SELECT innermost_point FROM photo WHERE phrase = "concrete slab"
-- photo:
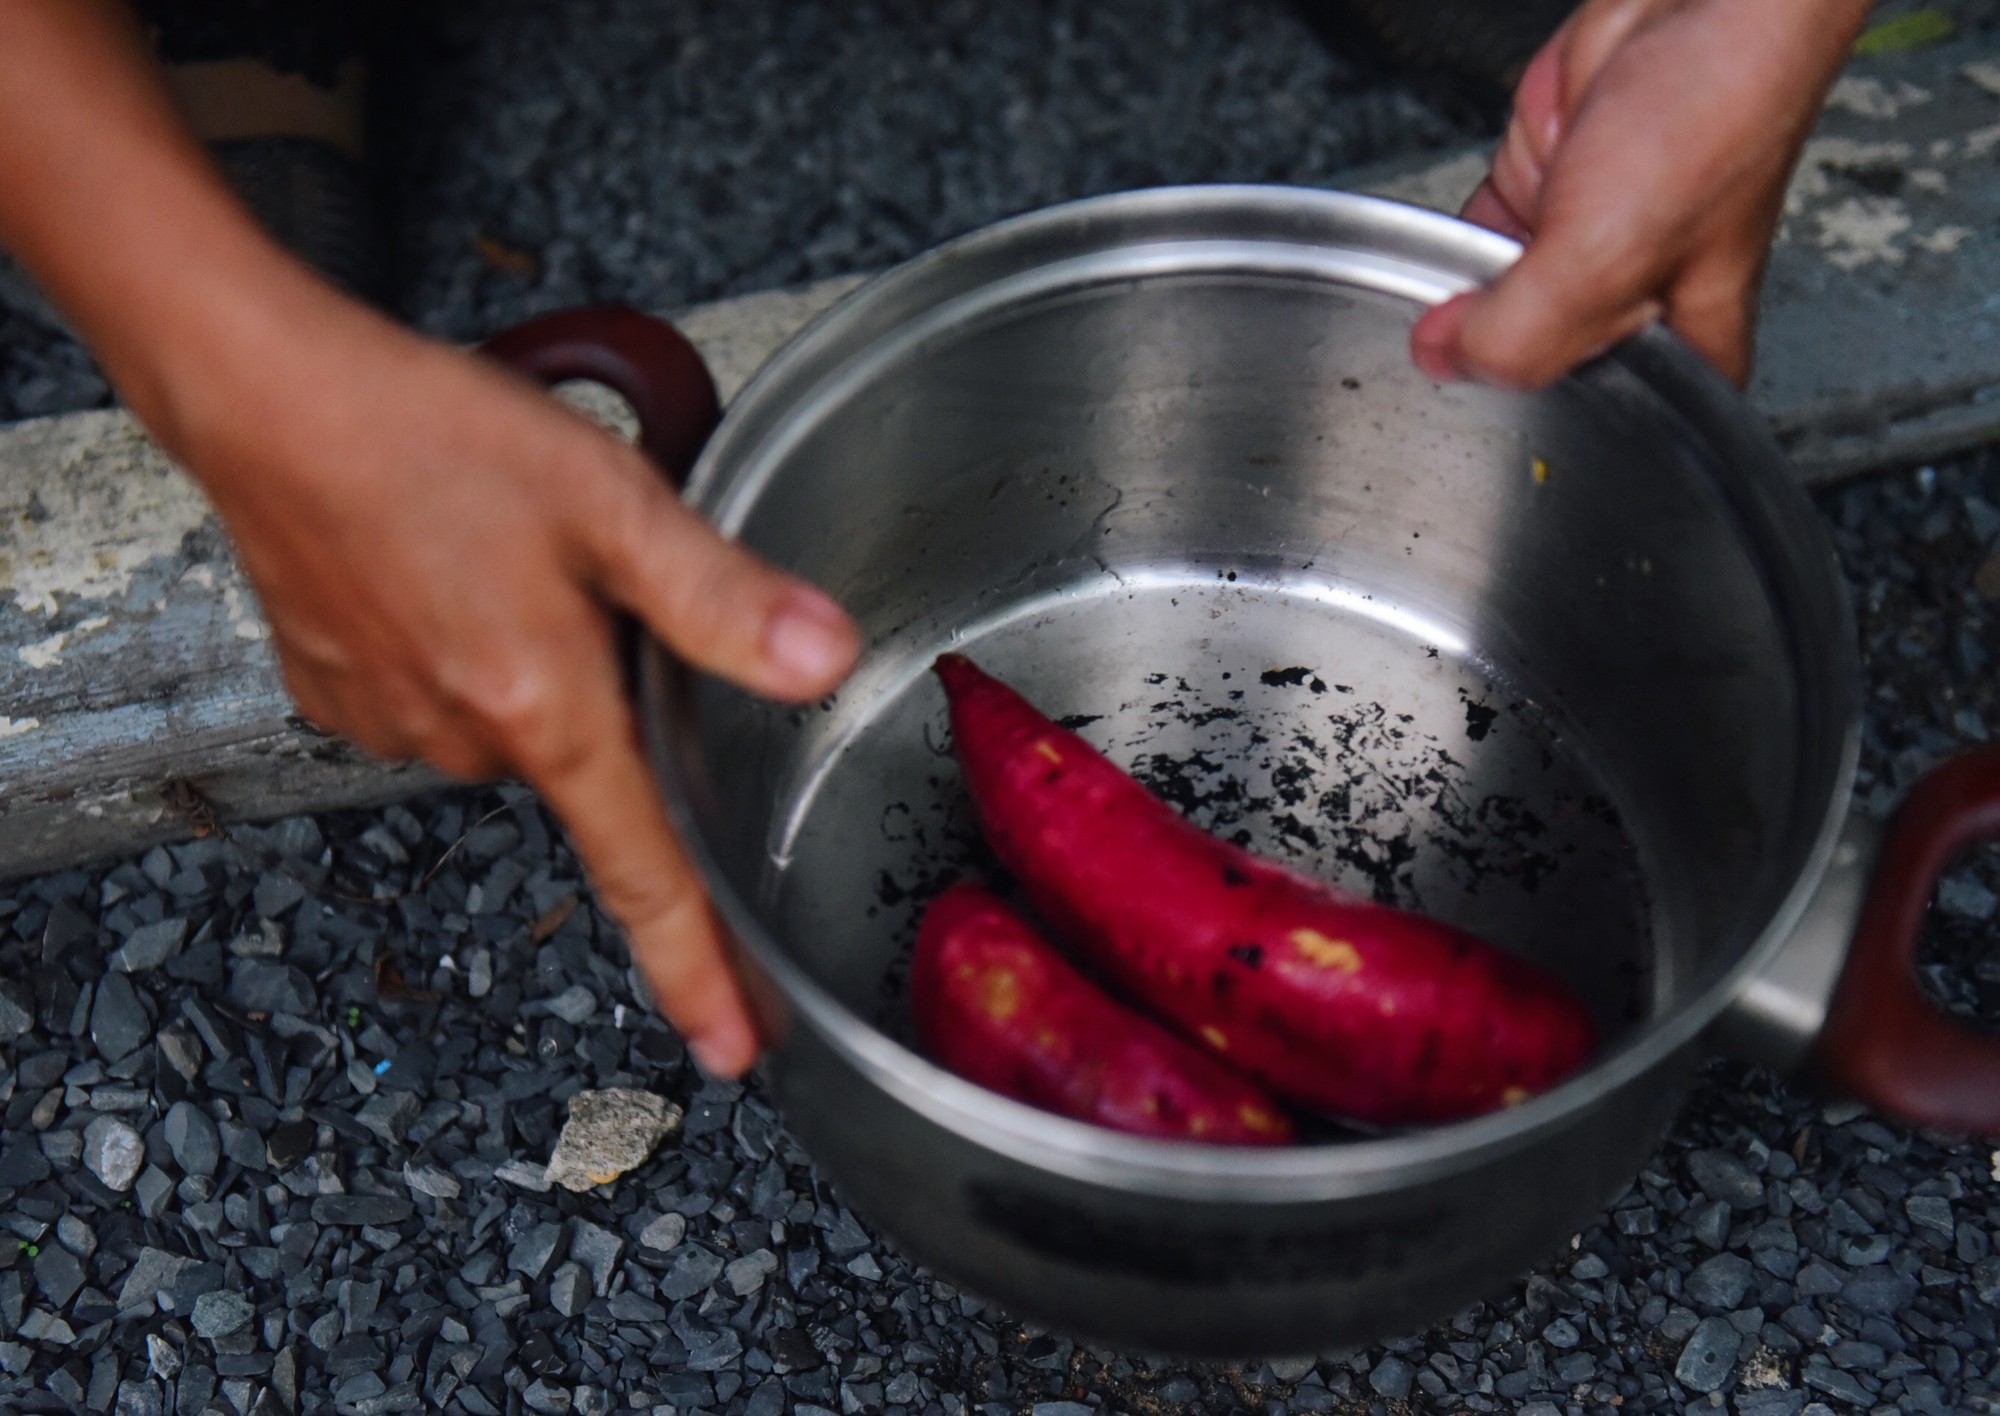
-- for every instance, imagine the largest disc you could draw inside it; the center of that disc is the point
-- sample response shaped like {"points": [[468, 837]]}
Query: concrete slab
{"points": [[140, 700]]}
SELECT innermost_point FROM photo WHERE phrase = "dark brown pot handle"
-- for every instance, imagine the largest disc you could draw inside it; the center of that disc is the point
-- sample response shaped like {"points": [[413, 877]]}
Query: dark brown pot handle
{"points": [[647, 361], [1885, 1043]]}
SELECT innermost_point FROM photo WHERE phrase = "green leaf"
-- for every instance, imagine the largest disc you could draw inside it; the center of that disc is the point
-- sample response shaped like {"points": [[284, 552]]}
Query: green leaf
{"points": [[1904, 33]]}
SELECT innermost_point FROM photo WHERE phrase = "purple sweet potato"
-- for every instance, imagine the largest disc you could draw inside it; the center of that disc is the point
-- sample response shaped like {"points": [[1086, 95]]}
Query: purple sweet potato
{"points": [[998, 1006], [1338, 1004]]}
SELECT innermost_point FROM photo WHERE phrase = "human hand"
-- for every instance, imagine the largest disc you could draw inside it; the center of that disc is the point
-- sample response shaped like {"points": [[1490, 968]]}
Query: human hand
{"points": [[435, 544], [1644, 168]]}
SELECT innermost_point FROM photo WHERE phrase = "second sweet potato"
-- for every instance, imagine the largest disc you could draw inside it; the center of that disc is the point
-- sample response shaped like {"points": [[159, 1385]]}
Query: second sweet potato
{"points": [[995, 1004]]}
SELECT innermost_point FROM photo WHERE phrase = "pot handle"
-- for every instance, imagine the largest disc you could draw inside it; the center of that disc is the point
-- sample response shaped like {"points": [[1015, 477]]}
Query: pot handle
{"points": [[646, 361], [1884, 1043]]}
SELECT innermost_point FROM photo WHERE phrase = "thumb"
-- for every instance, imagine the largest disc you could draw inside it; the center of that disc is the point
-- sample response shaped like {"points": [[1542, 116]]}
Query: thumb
{"points": [[1574, 293]]}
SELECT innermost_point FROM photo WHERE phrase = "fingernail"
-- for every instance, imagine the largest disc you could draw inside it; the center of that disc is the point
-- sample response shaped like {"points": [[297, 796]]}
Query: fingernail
{"points": [[810, 638], [1436, 362], [725, 1052]]}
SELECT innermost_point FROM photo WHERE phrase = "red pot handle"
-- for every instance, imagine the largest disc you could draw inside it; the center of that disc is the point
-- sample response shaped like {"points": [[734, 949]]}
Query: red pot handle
{"points": [[1885, 1043], [647, 361]]}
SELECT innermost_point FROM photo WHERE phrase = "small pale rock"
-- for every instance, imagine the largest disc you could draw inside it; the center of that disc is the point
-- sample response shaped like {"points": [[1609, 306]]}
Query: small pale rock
{"points": [[608, 1133], [114, 1152], [664, 1234]]}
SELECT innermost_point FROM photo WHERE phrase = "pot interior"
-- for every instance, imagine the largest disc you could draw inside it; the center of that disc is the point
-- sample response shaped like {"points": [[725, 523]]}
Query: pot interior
{"points": [[1547, 666]]}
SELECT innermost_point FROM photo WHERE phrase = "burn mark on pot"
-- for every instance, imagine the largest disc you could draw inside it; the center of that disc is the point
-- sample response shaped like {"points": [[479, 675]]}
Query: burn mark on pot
{"points": [[1292, 781], [1076, 721], [1479, 718], [1285, 678], [1295, 832]]}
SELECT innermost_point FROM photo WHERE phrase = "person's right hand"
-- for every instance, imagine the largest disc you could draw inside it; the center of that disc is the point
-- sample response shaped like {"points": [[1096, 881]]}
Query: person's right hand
{"points": [[1645, 170], [436, 543]]}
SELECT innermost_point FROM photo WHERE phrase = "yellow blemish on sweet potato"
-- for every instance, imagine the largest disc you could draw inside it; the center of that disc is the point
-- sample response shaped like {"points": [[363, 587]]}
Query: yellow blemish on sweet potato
{"points": [[1048, 750], [1000, 995], [1258, 1119], [1215, 1037], [1197, 1125], [1513, 1096], [1335, 954]]}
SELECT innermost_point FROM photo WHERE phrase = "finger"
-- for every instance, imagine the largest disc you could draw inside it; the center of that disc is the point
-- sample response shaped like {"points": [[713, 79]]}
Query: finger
{"points": [[587, 765], [1713, 306], [1538, 99], [716, 604], [1551, 87], [1534, 129], [1597, 32], [1434, 341], [1588, 279], [1487, 208]]}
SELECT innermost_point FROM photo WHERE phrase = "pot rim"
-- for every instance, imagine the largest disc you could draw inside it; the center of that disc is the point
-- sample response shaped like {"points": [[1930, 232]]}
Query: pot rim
{"points": [[1790, 532]]}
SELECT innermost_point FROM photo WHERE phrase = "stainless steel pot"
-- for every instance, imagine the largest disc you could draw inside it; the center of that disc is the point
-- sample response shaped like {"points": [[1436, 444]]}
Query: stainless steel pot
{"points": [[1573, 669]]}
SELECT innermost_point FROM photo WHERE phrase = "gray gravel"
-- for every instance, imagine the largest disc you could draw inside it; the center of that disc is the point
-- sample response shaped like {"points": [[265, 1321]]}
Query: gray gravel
{"points": [[339, 1201], [537, 155]]}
